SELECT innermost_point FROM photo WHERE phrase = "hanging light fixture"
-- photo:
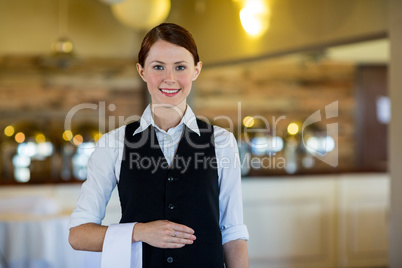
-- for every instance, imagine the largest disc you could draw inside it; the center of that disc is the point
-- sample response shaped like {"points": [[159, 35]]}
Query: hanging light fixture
{"points": [[63, 45], [141, 14], [62, 48]]}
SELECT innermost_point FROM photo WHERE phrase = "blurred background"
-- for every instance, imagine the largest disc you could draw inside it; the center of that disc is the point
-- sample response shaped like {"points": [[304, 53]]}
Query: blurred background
{"points": [[302, 84]]}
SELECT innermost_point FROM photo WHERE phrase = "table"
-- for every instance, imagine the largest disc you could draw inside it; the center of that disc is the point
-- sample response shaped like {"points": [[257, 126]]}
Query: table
{"points": [[40, 241]]}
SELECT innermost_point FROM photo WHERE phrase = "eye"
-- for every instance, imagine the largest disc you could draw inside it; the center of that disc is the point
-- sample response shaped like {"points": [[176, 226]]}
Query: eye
{"points": [[180, 68], [158, 67]]}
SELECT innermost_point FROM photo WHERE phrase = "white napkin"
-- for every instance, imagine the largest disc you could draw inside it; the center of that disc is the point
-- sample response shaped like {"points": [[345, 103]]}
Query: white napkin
{"points": [[118, 249]]}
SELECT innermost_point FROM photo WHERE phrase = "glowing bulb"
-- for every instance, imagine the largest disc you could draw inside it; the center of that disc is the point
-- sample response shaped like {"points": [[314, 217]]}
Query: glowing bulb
{"points": [[254, 17], [293, 128], [248, 121], [67, 135], [9, 131], [63, 46], [140, 14], [19, 137]]}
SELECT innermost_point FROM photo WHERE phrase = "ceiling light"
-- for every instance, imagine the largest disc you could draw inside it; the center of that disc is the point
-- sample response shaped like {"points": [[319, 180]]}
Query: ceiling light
{"points": [[254, 17]]}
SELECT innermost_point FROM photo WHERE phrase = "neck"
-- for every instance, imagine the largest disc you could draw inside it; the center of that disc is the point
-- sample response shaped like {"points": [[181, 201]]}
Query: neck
{"points": [[168, 116]]}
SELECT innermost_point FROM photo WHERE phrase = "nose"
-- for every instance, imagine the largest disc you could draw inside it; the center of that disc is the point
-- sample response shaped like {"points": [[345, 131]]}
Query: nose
{"points": [[169, 76]]}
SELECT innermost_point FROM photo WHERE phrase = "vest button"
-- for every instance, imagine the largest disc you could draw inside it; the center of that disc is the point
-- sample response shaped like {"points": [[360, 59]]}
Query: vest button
{"points": [[169, 259], [170, 179], [171, 206]]}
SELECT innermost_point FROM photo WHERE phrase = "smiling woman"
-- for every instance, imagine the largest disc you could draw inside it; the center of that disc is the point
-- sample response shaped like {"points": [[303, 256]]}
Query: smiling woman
{"points": [[169, 71], [166, 174]]}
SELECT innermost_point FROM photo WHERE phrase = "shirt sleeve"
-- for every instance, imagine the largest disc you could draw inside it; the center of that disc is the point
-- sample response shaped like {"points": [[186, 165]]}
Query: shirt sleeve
{"points": [[97, 189], [103, 169], [230, 194]]}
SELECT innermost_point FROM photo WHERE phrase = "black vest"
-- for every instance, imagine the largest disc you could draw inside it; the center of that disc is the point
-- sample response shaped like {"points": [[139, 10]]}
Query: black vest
{"points": [[187, 194]]}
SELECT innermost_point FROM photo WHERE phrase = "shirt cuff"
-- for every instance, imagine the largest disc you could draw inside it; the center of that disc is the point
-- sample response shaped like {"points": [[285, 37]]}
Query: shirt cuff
{"points": [[117, 246], [79, 218], [234, 232]]}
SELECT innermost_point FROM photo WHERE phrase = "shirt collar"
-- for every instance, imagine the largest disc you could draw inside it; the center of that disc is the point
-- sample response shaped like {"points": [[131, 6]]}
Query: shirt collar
{"points": [[189, 119]]}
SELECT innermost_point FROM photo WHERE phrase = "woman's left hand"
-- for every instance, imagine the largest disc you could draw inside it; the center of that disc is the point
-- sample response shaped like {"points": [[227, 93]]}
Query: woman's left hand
{"points": [[163, 234]]}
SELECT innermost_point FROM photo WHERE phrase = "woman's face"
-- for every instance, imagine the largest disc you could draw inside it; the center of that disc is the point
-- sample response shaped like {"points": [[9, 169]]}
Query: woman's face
{"points": [[169, 72]]}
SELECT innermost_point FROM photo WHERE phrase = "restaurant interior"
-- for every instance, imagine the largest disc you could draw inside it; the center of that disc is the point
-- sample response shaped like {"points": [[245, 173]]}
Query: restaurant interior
{"points": [[305, 86]]}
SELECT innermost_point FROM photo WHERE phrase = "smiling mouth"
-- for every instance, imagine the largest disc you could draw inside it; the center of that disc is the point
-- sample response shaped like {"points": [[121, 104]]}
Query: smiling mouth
{"points": [[169, 91]]}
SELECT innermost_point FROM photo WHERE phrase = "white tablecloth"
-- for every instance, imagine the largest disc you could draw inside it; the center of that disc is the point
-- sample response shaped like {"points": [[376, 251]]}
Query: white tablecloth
{"points": [[40, 242]]}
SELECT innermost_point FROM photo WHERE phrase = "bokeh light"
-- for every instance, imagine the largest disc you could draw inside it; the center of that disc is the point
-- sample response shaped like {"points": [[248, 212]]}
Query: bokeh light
{"points": [[40, 138], [19, 137], [248, 121], [97, 136], [67, 135], [78, 139], [9, 131], [293, 128]]}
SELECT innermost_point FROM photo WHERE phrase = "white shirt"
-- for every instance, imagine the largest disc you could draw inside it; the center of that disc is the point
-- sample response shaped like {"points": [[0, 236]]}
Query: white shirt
{"points": [[104, 172]]}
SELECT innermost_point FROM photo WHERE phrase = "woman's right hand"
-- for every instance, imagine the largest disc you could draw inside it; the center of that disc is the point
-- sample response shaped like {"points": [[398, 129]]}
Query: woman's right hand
{"points": [[163, 234]]}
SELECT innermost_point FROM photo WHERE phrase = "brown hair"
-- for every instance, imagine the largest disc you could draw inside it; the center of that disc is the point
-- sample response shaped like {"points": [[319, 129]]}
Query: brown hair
{"points": [[171, 33]]}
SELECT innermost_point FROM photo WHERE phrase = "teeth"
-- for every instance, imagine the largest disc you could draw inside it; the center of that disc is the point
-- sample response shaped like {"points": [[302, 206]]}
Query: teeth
{"points": [[170, 91]]}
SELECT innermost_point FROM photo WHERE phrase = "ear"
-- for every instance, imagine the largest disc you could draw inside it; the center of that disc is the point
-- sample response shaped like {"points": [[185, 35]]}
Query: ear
{"points": [[140, 71], [197, 71]]}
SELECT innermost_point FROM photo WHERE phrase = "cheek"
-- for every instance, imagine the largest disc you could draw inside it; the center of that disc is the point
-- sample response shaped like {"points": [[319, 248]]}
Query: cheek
{"points": [[186, 81], [154, 81]]}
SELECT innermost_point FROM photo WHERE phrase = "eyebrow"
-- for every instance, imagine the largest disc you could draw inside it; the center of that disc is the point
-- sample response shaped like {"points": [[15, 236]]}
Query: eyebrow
{"points": [[161, 62]]}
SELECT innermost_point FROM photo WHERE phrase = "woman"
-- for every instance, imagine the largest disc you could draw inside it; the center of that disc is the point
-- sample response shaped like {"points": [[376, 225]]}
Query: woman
{"points": [[178, 177]]}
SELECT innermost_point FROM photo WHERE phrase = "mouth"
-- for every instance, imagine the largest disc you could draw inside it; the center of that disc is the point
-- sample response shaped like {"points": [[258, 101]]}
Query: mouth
{"points": [[169, 92]]}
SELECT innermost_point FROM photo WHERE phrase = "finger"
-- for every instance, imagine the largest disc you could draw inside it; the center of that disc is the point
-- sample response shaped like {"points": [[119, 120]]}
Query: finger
{"points": [[184, 235], [183, 228], [185, 241], [175, 233], [175, 240], [187, 236], [174, 245]]}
